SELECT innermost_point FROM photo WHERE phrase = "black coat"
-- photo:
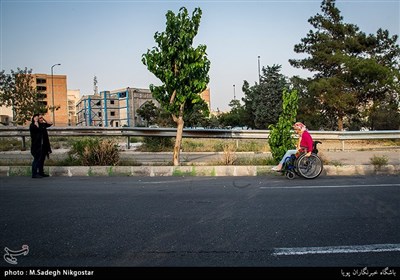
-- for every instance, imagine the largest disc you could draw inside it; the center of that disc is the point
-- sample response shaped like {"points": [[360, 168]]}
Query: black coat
{"points": [[46, 142], [40, 143]]}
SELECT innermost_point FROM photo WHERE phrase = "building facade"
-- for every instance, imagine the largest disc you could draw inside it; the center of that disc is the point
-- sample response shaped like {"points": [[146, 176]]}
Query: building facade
{"points": [[53, 90], [113, 108], [48, 86], [118, 107], [73, 98]]}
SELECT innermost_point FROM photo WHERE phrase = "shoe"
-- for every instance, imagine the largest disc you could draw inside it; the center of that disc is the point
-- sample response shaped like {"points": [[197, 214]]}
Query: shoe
{"points": [[276, 168], [37, 176], [44, 175]]}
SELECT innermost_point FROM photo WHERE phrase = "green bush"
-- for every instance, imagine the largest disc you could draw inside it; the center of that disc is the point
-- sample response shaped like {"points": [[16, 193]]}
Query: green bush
{"points": [[157, 144], [10, 144], [95, 151], [379, 161]]}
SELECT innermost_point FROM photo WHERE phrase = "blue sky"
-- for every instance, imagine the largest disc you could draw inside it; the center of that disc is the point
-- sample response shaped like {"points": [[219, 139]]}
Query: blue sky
{"points": [[106, 39]]}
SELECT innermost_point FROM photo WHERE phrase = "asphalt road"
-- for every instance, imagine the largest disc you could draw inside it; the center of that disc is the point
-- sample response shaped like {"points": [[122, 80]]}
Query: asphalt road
{"points": [[336, 222]]}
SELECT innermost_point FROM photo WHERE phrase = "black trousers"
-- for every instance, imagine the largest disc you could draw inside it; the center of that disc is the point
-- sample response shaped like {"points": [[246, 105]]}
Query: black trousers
{"points": [[38, 162], [41, 162], [37, 158]]}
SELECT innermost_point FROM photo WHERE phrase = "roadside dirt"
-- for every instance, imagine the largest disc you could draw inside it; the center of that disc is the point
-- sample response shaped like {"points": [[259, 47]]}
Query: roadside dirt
{"points": [[358, 145]]}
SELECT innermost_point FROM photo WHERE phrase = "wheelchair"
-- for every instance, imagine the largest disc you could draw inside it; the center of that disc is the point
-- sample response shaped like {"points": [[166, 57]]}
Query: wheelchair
{"points": [[307, 167]]}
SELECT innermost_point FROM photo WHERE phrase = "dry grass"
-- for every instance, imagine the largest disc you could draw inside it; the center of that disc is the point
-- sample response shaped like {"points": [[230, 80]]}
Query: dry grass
{"points": [[261, 145]]}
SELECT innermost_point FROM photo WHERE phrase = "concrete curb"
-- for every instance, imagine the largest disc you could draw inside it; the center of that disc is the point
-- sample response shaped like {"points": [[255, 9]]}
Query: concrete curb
{"points": [[69, 171]]}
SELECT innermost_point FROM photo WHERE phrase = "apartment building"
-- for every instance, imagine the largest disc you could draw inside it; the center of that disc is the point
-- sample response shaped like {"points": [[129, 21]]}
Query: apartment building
{"points": [[73, 96], [53, 90], [113, 108], [117, 107]]}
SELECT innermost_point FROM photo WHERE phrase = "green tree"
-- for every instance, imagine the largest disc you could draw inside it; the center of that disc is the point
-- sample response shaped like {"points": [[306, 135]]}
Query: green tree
{"points": [[17, 91], [264, 101], [149, 112], [351, 70], [182, 69], [248, 99], [164, 119], [196, 114], [235, 116], [280, 138]]}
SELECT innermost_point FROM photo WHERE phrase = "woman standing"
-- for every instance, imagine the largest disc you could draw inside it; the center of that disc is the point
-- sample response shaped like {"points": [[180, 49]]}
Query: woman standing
{"points": [[40, 144], [46, 149], [36, 145]]}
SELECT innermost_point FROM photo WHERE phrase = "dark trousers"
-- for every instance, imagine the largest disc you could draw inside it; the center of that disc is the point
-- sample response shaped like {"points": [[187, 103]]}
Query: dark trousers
{"points": [[37, 159], [41, 162], [38, 162]]}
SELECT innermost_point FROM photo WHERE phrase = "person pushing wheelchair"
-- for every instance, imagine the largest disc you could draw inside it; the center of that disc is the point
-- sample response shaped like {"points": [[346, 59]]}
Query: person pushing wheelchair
{"points": [[304, 145]]}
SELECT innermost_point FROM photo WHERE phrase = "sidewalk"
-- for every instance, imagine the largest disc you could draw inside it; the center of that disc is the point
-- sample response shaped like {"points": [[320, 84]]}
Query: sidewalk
{"points": [[336, 163]]}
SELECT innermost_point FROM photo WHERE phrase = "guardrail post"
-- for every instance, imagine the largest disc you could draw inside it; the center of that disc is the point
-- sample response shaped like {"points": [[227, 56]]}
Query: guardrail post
{"points": [[342, 145], [129, 142], [23, 143]]}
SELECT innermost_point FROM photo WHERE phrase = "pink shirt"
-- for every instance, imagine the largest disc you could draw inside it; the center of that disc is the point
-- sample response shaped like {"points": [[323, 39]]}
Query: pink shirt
{"points": [[306, 141]]}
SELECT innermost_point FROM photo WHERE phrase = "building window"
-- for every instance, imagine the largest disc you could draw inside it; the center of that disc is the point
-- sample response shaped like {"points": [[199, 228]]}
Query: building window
{"points": [[41, 88], [112, 114], [99, 114], [40, 81], [112, 102]]}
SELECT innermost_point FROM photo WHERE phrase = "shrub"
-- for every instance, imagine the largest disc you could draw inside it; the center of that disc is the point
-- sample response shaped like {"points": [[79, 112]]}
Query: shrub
{"points": [[10, 144], [229, 156], [379, 161], [95, 151]]}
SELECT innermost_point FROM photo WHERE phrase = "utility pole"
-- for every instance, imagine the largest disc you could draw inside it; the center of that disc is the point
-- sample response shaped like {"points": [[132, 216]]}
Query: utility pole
{"points": [[259, 74]]}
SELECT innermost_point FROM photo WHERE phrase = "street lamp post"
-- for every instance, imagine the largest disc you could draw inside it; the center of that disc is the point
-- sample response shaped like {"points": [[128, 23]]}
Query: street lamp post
{"points": [[234, 93], [52, 92], [259, 75]]}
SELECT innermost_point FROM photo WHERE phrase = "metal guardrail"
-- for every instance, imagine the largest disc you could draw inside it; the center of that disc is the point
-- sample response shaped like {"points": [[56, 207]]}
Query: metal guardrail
{"points": [[23, 131]]}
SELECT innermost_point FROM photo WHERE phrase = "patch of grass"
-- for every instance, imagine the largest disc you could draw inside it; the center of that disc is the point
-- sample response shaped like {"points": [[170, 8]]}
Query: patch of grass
{"points": [[11, 144], [178, 172], [255, 161], [157, 144], [379, 161], [189, 145], [335, 163]]}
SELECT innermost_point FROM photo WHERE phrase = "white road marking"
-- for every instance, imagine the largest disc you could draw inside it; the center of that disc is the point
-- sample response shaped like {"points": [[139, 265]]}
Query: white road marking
{"points": [[373, 248], [333, 186]]}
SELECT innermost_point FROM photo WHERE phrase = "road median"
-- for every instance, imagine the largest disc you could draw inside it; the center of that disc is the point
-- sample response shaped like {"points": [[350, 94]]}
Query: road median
{"points": [[152, 171]]}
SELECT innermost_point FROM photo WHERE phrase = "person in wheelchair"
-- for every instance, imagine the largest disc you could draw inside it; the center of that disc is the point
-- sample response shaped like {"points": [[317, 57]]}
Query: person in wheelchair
{"points": [[304, 145]]}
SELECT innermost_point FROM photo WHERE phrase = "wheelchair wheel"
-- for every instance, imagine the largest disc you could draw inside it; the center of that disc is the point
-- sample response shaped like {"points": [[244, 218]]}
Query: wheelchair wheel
{"points": [[309, 167], [290, 175]]}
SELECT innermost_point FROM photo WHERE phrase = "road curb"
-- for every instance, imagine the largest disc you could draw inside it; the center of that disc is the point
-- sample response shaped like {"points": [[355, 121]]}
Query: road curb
{"points": [[69, 171]]}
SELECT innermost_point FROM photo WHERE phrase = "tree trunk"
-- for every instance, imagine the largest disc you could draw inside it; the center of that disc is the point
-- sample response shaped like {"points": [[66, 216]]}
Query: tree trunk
{"points": [[340, 123], [178, 141]]}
